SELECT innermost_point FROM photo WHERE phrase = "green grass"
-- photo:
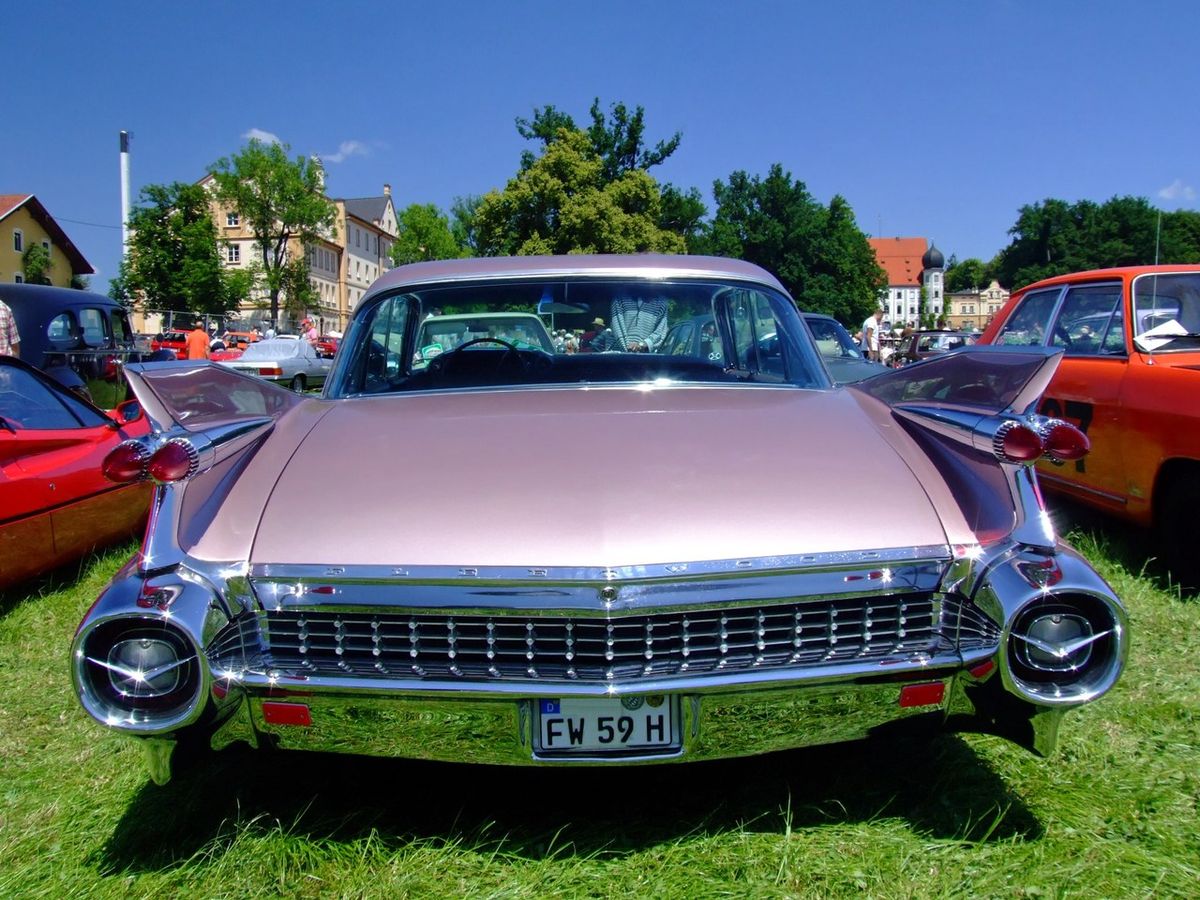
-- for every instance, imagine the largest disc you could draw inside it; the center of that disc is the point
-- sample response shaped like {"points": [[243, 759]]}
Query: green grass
{"points": [[1112, 814]]}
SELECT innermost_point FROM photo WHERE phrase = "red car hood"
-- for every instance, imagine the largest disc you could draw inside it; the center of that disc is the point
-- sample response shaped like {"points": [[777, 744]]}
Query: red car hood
{"points": [[601, 477]]}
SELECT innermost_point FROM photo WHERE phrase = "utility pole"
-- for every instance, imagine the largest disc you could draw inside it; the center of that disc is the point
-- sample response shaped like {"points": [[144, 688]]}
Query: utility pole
{"points": [[124, 195]]}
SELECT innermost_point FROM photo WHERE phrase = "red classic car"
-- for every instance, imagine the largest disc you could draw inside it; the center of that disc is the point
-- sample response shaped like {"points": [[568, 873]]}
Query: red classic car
{"points": [[170, 340], [1131, 350], [55, 502]]}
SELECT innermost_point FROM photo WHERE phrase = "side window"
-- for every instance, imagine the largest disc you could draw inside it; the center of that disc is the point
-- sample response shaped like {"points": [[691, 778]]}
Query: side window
{"points": [[756, 335], [380, 362], [61, 328], [1086, 318], [120, 327], [92, 323], [1029, 322]]}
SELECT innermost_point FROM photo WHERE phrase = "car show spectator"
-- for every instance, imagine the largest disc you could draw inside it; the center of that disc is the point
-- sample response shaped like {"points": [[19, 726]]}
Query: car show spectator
{"points": [[869, 343], [639, 324], [599, 339], [10, 338], [308, 331], [197, 342]]}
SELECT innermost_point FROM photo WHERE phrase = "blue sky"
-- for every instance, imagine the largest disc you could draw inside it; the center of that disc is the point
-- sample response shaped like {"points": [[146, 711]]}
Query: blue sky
{"points": [[937, 119]]}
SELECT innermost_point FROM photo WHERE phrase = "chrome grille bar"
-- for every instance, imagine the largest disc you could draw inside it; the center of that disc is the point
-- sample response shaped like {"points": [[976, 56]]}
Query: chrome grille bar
{"points": [[582, 648]]}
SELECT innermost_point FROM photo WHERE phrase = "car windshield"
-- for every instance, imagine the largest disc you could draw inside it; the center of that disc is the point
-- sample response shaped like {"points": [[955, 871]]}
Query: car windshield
{"points": [[575, 331], [272, 350], [1170, 305]]}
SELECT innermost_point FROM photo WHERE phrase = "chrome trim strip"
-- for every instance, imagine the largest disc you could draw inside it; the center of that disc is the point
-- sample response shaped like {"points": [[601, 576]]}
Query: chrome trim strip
{"points": [[1064, 483], [920, 667], [701, 569]]}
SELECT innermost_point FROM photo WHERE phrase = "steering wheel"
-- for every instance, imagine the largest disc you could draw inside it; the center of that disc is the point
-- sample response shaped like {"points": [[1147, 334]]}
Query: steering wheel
{"points": [[441, 364]]}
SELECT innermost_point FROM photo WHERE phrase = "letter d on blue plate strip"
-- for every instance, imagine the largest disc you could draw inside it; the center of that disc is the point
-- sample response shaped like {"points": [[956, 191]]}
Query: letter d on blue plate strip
{"points": [[550, 708]]}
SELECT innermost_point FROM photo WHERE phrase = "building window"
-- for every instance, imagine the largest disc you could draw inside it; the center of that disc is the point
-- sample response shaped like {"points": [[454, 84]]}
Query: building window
{"points": [[18, 241], [357, 238], [19, 278], [233, 253], [231, 220]]}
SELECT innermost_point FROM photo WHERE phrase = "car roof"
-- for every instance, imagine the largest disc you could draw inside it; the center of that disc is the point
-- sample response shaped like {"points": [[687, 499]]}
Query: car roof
{"points": [[470, 317], [642, 265], [1116, 272]]}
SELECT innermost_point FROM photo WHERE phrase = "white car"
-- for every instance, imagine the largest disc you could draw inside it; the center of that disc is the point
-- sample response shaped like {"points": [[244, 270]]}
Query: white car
{"points": [[291, 362]]}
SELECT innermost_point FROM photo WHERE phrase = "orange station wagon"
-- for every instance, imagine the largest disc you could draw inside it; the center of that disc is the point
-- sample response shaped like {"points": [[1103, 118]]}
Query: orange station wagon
{"points": [[1130, 379]]}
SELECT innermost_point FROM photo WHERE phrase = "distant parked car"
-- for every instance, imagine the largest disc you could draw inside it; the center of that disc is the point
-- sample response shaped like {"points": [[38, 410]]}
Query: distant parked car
{"points": [[842, 356], [327, 346], [439, 334], [77, 337], [57, 503], [175, 341], [1129, 379], [292, 362], [923, 344]]}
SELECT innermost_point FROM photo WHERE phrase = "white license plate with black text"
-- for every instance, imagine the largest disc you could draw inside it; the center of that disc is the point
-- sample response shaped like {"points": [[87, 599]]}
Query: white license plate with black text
{"points": [[589, 725]]}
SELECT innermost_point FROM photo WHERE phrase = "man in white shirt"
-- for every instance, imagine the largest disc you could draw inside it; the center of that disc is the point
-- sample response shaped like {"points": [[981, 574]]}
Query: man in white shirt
{"points": [[870, 336]]}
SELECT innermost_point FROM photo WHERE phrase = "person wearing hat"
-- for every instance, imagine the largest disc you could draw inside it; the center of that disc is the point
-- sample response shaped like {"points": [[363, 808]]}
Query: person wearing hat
{"points": [[197, 342], [309, 332], [599, 339]]}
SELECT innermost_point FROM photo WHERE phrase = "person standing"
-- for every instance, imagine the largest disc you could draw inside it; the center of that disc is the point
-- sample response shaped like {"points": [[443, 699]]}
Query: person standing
{"points": [[309, 332], [10, 338], [870, 336], [197, 342]]}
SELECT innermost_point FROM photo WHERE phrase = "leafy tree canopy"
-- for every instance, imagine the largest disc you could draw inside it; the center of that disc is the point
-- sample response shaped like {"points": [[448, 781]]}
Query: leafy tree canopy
{"points": [[423, 232], [278, 199], [462, 223], [563, 202], [1054, 237], [618, 139], [683, 212], [817, 252], [174, 259], [968, 275]]}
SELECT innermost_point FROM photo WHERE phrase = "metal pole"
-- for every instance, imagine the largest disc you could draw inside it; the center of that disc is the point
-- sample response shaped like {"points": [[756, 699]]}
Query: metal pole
{"points": [[124, 195]]}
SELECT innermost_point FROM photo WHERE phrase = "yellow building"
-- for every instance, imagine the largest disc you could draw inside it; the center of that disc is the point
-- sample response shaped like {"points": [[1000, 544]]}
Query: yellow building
{"points": [[24, 223]]}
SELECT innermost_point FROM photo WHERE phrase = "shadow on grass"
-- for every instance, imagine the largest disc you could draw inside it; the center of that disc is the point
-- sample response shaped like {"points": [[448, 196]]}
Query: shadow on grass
{"points": [[64, 578], [1132, 547], [941, 788]]}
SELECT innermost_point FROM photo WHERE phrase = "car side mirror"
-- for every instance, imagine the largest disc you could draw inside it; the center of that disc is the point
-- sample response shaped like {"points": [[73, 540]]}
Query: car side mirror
{"points": [[129, 411]]}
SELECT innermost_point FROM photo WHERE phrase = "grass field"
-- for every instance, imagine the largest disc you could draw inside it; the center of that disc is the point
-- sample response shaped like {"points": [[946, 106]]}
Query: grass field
{"points": [[1113, 814]]}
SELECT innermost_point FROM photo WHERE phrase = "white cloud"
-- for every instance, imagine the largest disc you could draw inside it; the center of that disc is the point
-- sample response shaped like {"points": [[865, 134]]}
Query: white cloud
{"points": [[257, 134], [1177, 190], [346, 149]]}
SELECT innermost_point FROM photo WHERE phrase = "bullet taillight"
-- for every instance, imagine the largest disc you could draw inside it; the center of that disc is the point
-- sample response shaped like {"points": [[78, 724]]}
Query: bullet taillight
{"points": [[1065, 442], [126, 463]]}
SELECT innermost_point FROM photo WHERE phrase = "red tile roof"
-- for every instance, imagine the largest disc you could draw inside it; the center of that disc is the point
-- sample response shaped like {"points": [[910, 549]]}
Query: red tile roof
{"points": [[900, 258], [9, 202]]}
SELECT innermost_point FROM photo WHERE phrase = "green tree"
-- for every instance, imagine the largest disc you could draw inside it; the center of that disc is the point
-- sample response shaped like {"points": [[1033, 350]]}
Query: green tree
{"points": [[462, 223], [618, 139], [35, 265], [296, 288], [683, 212], [423, 232], [818, 253], [279, 199], [563, 202], [970, 274], [1055, 237], [174, 258]]}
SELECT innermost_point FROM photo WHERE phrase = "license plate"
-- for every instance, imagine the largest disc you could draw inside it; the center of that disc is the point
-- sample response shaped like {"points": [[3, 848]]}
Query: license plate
{"points": [[606, 725]]}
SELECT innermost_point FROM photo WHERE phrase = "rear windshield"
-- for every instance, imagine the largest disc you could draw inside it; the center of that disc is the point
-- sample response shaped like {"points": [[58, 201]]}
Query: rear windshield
{"points": [[577, 331]]}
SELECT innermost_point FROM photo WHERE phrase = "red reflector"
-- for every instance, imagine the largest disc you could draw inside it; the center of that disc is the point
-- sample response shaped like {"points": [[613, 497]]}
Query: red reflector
{"points": [[1021, 444], [125, 463], [170, 462], [219, 690], [323, 589], [922, 694], [1066, 442], [983, 669], [270, 371], [286, 713]]}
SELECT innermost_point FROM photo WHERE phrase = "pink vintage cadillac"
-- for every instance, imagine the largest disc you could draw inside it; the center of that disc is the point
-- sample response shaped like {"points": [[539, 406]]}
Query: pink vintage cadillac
{"points": [[630, 555]]}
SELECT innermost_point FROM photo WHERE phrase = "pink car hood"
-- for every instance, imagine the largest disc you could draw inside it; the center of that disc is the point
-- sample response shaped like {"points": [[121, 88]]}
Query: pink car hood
{"points": [[594, 477]]}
